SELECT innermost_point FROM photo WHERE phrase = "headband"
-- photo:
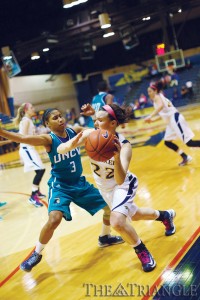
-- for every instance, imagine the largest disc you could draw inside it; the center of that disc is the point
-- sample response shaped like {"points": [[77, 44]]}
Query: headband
{"points": [[153, 86], [111, 112], [26, 106], [46, 114]]}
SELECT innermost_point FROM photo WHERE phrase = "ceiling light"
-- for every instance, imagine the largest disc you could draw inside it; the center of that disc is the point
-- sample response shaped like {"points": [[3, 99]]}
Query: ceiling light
{"points": [[180, 10], [52, 41], [70, 3], [67, 3], [104, 20], [146, 18], [94, 47], [45, 50], [35, 55], [108, 32], [81, 1]]}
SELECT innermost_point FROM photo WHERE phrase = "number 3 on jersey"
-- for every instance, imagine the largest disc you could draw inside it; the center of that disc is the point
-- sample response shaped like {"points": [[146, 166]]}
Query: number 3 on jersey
{"points": [[73, 166]]}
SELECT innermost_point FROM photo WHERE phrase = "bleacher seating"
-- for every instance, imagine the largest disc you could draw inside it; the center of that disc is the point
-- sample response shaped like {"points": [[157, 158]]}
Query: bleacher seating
{"points": [[184, 75], [8, 125]]}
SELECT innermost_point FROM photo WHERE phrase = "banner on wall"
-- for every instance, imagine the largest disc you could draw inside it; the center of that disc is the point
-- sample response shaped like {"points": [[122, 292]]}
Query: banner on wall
{"points": [[120, 83], [131, 76], [119, 91]]}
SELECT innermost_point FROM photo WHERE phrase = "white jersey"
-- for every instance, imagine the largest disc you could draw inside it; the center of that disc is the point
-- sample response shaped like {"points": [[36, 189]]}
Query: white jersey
{"points": [[31, 128], [168, 110], [120, 198], [103, 172], [28, 154], [177, 127]]}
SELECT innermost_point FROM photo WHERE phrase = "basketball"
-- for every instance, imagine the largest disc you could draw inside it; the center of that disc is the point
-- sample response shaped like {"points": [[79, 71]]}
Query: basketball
{"points": [[99, 145]]}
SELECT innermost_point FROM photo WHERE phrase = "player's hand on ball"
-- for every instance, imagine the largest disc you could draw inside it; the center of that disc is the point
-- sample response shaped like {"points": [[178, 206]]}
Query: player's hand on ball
{"points": [[77, 139], [118, 147]]}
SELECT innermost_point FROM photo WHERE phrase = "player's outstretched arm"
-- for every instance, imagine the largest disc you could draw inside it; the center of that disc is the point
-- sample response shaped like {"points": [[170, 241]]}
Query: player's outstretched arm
{"points": [[74, 142], [2, 143], [33, 140], [160, 105]]}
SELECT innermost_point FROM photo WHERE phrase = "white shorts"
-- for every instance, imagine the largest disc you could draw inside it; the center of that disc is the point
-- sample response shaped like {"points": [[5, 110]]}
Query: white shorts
{"points": [[121, 198], [178, 128], [30, 158]]}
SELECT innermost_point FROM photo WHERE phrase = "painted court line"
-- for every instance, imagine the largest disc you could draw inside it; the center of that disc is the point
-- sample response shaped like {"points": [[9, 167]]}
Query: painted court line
{"points": [[18, 268], [171, 265]]}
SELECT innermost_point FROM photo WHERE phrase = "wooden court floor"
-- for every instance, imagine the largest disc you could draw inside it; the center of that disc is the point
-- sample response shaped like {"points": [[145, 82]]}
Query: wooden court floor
{"points": [[73, 267]]}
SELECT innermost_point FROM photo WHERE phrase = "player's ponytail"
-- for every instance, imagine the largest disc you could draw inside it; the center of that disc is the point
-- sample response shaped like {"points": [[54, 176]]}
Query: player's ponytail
{"points": [[20, 114]]}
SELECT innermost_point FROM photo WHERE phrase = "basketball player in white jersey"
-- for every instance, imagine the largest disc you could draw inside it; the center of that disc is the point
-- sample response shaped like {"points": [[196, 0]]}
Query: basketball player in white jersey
{"points": [[177, 127], [28, 154], [118, 186]]}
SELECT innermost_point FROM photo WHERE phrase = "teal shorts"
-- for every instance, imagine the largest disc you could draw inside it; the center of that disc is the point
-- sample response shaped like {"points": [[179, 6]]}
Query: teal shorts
{"points": [[82, 194]]}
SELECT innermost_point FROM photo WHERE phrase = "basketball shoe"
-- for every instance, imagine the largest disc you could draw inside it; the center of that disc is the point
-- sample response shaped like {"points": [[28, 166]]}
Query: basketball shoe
{"points": [[168, 222], [185, 161], [34, 199], [109, 240], [2, 203], [147, 260], [31, 262], [40, 195]]}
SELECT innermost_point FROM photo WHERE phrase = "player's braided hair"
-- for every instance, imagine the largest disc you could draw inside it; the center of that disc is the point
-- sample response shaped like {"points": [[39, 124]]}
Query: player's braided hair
{"points": [[46, 115]]}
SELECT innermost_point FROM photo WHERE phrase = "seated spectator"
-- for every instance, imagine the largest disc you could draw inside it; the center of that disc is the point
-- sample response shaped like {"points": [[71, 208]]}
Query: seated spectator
{"points": [[174, 79], [6, 146], [184, 92], [188, 64], [71, 116], [165, 81], [189, 86], [142, 101], [153, 70], [41, 129], [176, 94], [137, 104], [68, 115]]}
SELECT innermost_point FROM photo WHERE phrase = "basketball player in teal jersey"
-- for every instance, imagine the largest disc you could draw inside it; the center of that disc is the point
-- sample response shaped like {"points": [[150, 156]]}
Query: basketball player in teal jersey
{"points": [[118, 185], [66, 184], [103, 97]]}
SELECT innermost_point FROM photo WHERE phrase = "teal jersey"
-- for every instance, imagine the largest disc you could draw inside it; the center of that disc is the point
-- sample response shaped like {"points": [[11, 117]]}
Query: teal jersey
{"points": [[66, 167], [98, 101]]}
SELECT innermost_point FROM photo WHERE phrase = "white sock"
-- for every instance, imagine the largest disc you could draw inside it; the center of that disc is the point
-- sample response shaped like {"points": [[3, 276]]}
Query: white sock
{"points": [[39, 247], [157, 214], [180, 151], [136, 244], [105, 230], [35, 188]]}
